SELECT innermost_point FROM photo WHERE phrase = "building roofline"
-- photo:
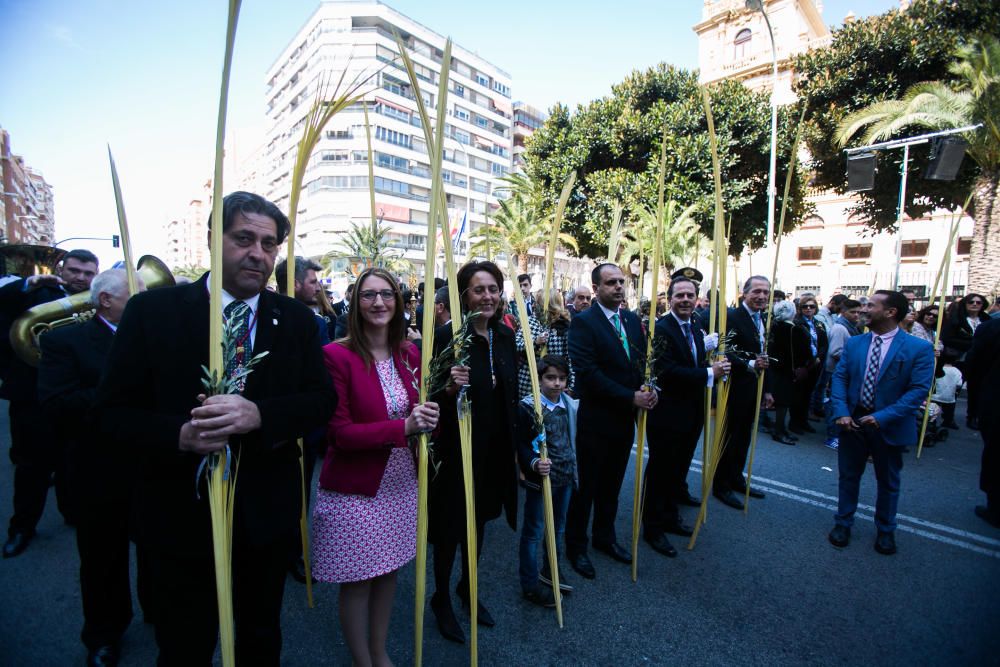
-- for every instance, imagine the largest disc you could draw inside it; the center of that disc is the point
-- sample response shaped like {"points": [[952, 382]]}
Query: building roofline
{"points": [[377, 3]]}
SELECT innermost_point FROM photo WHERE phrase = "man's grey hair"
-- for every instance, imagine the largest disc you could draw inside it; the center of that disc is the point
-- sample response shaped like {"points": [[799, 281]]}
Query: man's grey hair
{"points": [[112, 281], [746, 285]]}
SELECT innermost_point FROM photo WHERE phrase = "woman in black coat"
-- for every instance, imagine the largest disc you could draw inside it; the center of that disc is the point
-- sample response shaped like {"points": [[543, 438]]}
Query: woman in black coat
{"points": [[964, 316], [790, 355], [491, 377]]}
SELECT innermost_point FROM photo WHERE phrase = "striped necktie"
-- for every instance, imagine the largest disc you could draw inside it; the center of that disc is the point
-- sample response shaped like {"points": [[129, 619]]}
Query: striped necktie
{"points": [[871, 376], [238, 312], [621, 334], [690, 339]]}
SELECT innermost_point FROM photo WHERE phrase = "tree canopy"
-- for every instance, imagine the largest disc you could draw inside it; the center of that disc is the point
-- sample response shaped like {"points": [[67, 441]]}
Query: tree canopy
{"points": [[614, 145], [878, 59]]}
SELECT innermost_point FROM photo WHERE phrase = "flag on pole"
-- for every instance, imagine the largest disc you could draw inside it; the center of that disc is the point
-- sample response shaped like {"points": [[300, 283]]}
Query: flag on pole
{"points": [[461, 230]]}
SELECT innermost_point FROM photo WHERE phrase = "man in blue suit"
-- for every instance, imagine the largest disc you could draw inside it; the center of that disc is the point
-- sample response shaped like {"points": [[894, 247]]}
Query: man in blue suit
{"points": [[608, 352], [881, 380]]}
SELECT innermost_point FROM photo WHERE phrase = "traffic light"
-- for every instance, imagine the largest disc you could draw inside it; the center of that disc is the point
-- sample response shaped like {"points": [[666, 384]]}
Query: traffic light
{"points": [[116, 241]]}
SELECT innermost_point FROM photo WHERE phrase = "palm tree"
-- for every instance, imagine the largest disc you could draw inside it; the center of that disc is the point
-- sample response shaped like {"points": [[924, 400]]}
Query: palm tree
{"points": [[938, 105], [371, 244], [518, 226], [680, 234]]}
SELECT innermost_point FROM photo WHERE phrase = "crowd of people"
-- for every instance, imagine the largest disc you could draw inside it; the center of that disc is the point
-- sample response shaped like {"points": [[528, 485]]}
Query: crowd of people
{"points": [[117, 414]]}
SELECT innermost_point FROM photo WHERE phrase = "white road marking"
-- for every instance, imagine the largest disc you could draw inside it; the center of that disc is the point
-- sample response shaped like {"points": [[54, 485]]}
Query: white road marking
{"points": [[921, 527]]}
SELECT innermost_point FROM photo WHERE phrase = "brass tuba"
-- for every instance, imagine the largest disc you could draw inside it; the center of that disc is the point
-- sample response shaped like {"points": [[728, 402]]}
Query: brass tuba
{"points": [[26, 330]]}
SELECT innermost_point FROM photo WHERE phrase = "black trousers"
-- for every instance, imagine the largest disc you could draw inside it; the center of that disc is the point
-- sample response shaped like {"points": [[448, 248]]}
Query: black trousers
{"points": [[989, 471], [802, 396], [102, 540], [186, 617], [670, 454], [444, 560], [601, 465], [739, 423], [37, 457]]}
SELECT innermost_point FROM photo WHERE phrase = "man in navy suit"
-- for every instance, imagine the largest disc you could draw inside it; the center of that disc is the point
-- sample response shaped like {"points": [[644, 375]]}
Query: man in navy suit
{"points": [[746, 326], [881, 381], [682, 374], [607, 349]]}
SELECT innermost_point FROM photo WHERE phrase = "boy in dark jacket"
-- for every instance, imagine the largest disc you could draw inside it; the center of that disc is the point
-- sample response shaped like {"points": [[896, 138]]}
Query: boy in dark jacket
{"points": [[559, 416]]}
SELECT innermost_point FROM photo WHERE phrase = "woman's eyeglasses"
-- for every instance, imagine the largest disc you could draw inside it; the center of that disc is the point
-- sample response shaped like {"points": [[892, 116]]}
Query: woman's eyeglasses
{"points": [[368, 295]]}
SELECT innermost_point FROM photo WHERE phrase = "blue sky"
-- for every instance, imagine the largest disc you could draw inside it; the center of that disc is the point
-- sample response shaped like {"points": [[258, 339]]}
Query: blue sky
{"points": [[144, 77]]}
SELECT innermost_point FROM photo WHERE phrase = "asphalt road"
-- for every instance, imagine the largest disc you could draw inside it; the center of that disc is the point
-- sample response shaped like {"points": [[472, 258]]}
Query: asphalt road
{"points": [[761, 589]]}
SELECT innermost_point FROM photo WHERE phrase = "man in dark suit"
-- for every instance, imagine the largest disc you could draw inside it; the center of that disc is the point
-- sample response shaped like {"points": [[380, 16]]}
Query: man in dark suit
{"points": [[746, 334], [35, 451], [71, 364], [682, 374], [340, 308], [983, 370], [151, 402], [524, 283], [607, 349], [881, 381]]}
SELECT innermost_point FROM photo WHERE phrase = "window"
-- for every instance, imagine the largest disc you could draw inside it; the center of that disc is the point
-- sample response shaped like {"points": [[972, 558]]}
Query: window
{"points": [[806, 289], [964, 245], [860, 251], [390, 186], [392, 137], [392, 162], [338, 134], [461, 113], [917, 248], [483, 80], [742, 44], [854, 290], [810, 253], [334, 156], [919, 291], [459, 90], [461, 136]]}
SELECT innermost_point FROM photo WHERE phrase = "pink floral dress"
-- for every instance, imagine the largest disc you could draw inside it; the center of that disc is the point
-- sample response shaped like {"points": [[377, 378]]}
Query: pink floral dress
{"points": [[357, 537]]}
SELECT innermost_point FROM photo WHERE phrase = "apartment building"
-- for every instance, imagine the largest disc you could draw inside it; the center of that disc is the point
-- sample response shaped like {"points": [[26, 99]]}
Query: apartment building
{"points": [[28, 203], [358, 37]]}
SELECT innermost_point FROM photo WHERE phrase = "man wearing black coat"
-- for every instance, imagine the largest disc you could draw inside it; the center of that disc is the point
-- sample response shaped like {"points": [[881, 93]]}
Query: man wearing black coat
{"points": [[746, 350], [150, 402], [35, 451], [73, 358], [608, 352], [682, 374], [983, 368]]}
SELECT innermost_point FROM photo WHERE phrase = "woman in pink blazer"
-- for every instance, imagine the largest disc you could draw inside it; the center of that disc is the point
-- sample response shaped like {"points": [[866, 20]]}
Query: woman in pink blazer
{"points": [[365, 516]]}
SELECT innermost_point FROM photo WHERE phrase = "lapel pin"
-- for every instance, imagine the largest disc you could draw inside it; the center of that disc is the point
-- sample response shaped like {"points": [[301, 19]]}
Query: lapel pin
{"points": [[275, 321]]}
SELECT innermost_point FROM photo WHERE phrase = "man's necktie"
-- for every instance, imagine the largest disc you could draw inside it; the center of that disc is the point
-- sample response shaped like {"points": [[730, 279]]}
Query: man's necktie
{"points": [[621, 334], [238, 313], [871, 376], [690, 339], [760, 335]]}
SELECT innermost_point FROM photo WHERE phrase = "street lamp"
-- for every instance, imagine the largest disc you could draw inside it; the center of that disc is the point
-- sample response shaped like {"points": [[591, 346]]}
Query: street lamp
{"points": [[758, 6]]}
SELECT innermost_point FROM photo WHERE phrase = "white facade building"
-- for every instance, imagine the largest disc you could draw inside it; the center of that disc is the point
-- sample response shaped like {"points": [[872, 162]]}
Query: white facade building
{"points": [[187, 233], [831, 252], [359, 36]]}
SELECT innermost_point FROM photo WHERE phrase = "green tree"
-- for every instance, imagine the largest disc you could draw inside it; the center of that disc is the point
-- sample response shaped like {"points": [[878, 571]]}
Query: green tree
{"points": [[189, 271], [938, 105], [371, 244], [614, 145], [876, 59], [520, 224]]}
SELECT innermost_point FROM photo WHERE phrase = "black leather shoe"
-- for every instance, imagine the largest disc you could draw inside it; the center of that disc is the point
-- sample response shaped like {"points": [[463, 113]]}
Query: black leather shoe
{"points": [[542, 596], [16, 544], [885, 544], [615, 551], [483, 616], [690, 501], [840, 536], [447, 623], [754, 493], [783, 439], [679, 529], [581, 563], [987, 515], [103, 656], [661, 544], [730, 498]]}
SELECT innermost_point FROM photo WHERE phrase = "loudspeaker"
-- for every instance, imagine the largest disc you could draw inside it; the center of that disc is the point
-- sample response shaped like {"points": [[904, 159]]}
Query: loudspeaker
{"points": [[946, 158], [861, 171]]}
